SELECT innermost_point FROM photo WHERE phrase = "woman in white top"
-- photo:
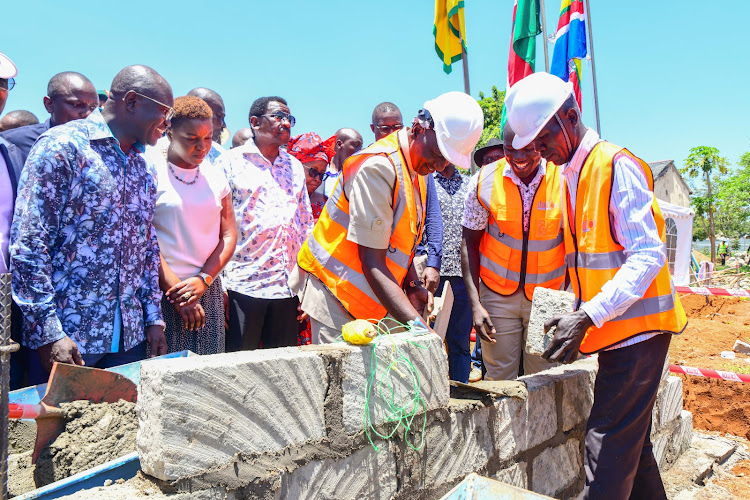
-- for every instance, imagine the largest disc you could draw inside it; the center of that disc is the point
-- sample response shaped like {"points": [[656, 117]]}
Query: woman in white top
{"points": [[194, 223]]}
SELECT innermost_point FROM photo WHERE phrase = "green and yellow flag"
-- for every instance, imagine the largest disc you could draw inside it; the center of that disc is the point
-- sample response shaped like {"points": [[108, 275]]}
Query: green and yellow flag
{"points": [[449, 31]]}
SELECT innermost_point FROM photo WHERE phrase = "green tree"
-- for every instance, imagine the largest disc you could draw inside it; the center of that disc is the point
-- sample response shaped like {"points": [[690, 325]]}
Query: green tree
{"points": [[492, 107], [705, 161], [733, 200]]}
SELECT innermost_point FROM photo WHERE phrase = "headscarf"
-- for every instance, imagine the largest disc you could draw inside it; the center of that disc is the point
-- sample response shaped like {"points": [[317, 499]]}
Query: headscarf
{"points": [[310, 147]]}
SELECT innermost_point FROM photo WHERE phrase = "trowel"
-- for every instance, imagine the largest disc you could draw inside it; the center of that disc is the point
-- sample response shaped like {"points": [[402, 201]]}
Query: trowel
{"points": [[69, 383]]}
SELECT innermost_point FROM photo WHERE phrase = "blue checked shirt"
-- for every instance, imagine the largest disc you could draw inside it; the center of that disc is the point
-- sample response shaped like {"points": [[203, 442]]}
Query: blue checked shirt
{"points": [[84, 250]]}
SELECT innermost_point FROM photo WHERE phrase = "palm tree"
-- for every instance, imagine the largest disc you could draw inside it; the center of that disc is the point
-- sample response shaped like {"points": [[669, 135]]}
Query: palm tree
{"points": [[704, 161]]}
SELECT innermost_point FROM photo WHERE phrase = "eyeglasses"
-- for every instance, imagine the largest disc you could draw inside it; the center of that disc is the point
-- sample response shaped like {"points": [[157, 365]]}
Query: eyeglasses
{"points": [[280, 116], [388, 129], [168, 111], [315, 173], [7, 84]]}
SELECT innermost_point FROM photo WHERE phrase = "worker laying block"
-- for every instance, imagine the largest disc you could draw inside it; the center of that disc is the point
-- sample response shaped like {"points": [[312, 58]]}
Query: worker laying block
{"points": [[512, 240], [626, 307], [359, 255]]}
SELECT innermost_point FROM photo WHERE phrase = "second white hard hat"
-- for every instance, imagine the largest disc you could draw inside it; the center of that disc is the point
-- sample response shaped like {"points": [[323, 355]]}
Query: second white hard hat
{"points": [[458, 123], [532, 102]]}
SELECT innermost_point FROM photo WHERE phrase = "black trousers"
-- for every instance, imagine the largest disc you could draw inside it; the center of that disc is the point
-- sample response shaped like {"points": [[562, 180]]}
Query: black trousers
{"points": [[265, 323], [619, 457]]}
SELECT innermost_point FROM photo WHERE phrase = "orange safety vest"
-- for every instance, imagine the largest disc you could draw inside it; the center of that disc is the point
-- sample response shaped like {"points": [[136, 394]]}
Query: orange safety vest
{"points": [[505, 247], [594, 255], [334, 260]]}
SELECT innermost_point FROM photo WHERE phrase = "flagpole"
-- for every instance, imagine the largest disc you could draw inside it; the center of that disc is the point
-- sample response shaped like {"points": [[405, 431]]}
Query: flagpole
{"points": [[593, 67], [544, 35], [465, 60]]}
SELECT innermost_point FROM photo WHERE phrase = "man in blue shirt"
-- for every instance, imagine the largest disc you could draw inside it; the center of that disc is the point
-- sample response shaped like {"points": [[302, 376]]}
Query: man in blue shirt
{"points": [[84, 254], [70, 96]]}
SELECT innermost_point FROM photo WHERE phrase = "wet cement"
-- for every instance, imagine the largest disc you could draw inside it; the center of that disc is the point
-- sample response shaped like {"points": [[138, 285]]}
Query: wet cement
{"points": [[95, 433]]}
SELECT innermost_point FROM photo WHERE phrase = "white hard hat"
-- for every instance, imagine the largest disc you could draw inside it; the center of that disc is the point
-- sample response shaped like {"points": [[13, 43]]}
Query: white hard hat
{"points": [[532, 102], [458, 121], [7, 68]]}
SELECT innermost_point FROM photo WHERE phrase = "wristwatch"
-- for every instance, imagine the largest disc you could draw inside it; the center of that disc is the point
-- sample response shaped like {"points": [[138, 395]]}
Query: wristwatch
{"points": [[207, 279]]}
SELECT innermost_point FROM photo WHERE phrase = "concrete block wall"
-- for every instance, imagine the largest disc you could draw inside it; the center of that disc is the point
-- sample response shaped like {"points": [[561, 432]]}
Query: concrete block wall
{"points": [[287, 423]]}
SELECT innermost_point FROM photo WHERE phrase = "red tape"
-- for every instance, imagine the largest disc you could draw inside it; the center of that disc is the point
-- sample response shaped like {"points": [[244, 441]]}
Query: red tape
{"points": [[704, 372], [706, 290]]}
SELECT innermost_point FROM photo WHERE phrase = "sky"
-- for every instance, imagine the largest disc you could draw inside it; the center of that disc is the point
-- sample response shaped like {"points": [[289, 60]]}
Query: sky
{"points": [[670, 74]]}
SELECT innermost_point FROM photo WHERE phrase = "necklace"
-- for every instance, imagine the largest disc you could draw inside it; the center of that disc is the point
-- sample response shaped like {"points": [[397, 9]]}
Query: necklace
{"points": [[197, 174]]}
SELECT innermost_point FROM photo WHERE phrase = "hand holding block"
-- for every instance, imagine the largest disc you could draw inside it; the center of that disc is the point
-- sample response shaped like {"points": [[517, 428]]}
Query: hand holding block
{"points": [[545, 304]]}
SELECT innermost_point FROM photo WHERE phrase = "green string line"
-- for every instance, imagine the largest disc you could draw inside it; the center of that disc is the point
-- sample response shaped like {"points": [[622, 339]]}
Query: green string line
{"points": [[400, 414]]}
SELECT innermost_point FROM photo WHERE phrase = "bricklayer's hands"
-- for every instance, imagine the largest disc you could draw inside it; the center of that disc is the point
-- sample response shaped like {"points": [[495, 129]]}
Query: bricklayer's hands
{"points": [[61, 351], [571, 328], [420, 298]]}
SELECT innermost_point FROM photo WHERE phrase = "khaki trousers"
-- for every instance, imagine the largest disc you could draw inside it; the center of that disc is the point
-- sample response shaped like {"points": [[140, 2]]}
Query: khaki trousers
{"points": [[510, 316]]}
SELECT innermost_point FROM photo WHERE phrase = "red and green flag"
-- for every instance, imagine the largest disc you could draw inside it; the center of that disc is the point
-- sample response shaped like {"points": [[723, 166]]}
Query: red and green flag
{"points": [[526, 26]]}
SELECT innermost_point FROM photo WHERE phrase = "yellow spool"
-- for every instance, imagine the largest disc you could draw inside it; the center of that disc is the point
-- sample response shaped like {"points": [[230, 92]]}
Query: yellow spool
{"points": [[359, 332]]}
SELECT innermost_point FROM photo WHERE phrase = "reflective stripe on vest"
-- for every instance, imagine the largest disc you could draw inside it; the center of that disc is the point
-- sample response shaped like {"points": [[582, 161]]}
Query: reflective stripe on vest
{"points": [[594, 256], [332, 258], [501, 249]]}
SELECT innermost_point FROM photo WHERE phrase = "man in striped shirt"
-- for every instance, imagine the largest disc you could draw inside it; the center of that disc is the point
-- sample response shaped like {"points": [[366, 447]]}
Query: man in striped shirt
{"points": [[626, 307]]}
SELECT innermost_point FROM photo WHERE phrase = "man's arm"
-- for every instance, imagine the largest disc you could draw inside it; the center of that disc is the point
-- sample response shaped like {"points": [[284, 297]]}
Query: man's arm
{"points": [[382, 282], [635, 228], [41, 198], [475, 220], [433, 230], [470, 270], [149, 294]]}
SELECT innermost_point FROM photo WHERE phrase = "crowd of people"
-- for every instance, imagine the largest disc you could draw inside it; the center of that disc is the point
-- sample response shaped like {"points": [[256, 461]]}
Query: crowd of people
{"points": [[131, 232]]}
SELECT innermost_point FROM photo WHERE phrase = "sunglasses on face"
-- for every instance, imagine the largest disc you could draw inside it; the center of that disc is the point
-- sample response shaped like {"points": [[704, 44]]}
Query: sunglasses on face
{"points": [[168, 110], [315, 173], [388, 129], [279, 116], [425, 118], [7, 84]]}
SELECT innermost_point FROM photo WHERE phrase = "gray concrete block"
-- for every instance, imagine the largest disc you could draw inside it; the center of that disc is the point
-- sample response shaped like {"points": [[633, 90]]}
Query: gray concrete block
{"points": [[426, 354], [523, 424], [556, 468], [364, 474], [714, 447], [546, 303], [195, 413], [515, 475], [577, 382], [673, 440], [670, 401], [454, 448]]}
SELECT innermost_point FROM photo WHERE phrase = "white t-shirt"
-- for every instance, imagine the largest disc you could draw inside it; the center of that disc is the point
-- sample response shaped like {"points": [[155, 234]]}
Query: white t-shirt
{"points": [[187, 217]]}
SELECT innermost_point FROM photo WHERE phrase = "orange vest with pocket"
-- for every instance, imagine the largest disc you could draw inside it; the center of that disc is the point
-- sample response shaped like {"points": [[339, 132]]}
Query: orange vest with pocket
{"points": [[327, 253]]}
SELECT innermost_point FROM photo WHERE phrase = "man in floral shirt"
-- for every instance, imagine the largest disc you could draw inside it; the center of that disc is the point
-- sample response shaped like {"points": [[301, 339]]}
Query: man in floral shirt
{"points": [[84, 255], [274, 217]]}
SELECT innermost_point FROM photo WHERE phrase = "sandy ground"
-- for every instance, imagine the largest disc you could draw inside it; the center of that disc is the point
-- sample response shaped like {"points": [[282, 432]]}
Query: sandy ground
{"points": [[714, 325]]}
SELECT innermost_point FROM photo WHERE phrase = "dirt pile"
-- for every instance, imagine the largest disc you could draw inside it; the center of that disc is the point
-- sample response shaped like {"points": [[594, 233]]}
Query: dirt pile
{"points": [[94, 434], [715, 323]]}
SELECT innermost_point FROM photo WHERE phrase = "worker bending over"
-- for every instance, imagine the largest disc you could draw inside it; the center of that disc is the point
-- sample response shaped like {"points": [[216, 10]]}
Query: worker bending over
{"points": [[359, 255]]}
